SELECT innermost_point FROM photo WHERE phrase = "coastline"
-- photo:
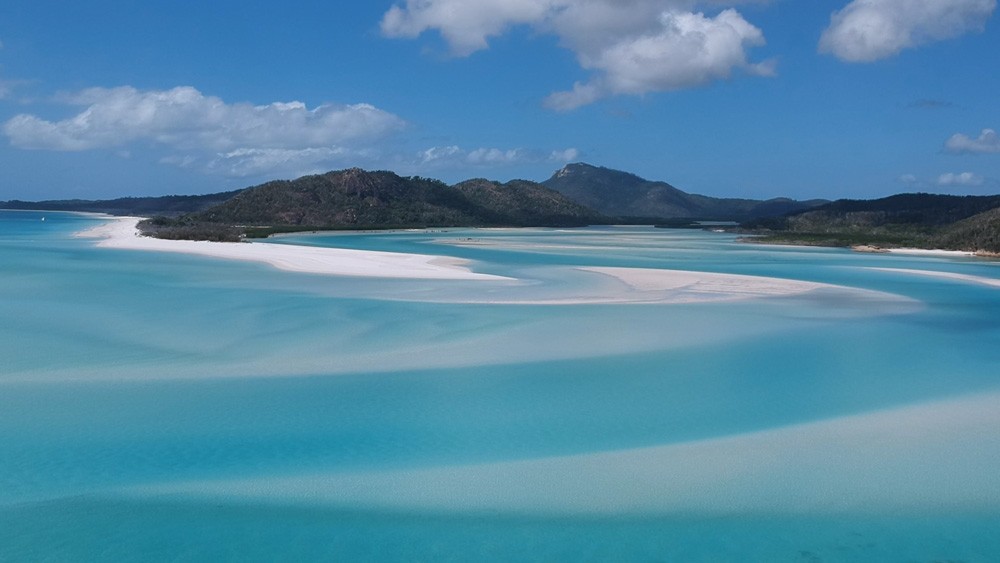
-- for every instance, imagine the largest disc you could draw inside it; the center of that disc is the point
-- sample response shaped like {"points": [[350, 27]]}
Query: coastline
{"points": [[122, 233], [630, 285]]}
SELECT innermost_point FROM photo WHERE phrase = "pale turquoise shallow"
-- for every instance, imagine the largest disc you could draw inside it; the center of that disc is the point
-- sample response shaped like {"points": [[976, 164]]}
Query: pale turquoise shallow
{"points": [[134, 384]]}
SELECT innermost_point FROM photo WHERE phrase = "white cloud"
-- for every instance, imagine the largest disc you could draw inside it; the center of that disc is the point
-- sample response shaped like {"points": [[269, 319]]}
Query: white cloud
{"points": [[567, 155], [453, 155], [987, 142], [439, 153], [297, 162], [869, 30], [960, 179], [688, 50], [184, 118], [465, 25], [634, 46]]}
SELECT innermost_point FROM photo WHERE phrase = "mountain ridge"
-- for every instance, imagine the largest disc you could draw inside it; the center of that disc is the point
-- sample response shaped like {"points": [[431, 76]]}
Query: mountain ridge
{"points": [[623, 194], [578, 194]]}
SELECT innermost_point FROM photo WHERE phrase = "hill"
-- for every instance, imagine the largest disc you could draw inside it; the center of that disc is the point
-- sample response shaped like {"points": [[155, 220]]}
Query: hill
{"points": [[170, 205], [358, 199], [621, 194], [970, 223]]}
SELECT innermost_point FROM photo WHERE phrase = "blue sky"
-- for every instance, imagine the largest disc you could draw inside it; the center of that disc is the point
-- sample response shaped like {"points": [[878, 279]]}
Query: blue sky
{"points": [[744, 98]]}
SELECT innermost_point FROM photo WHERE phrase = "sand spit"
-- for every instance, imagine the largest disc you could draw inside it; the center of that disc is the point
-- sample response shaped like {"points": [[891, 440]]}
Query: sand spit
{"points": [[607, 286], [121, 232], [943, 275], [706, 286]]}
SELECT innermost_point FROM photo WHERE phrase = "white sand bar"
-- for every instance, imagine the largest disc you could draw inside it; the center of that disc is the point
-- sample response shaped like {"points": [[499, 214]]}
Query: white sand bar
{"points": [[629, 285], [943, 275], [121, 232], [705, 286]]}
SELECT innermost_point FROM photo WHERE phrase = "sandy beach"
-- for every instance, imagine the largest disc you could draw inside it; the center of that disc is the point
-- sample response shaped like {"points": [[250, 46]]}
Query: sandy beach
{"points": [[627, 285], [121, 233], [930, 252]]}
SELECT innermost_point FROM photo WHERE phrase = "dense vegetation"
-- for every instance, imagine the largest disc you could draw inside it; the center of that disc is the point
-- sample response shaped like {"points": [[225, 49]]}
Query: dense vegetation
{"points": [[620, 194], [358, 199], [578, 194], [970, 223]]}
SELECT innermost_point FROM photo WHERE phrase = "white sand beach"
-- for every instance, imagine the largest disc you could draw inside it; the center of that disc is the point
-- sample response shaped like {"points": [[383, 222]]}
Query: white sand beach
{"points": [[930, 252], [121, 232], [627, 285]]}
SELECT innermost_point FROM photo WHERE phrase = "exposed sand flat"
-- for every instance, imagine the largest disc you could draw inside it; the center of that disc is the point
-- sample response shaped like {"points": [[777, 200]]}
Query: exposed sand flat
{"points": [[935, 457], [706, 285], [609, 285], [121, 232], [629, 285], [929, 252], [944, 275]]}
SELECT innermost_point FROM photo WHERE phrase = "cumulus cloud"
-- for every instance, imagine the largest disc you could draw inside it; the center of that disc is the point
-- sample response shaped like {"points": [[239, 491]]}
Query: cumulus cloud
{"points": [[688, 50], [184, 118], [987, 142], [634, 46], [960, 179], [869, 30], [455, 155], [465, 25]]}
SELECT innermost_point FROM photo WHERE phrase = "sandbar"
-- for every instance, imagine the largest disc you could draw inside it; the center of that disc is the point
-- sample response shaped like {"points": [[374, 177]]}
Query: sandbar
{"points": [[943, 275], [605, 285], [122, 233]]}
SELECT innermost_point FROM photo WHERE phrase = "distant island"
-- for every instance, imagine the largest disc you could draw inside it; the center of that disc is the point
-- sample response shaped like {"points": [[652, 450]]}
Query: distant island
{"points": [[946, 222], [577, 195]]}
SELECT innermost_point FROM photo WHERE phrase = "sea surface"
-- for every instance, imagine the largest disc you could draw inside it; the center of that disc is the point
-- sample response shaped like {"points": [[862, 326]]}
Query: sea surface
{"points": [[167, 407]]}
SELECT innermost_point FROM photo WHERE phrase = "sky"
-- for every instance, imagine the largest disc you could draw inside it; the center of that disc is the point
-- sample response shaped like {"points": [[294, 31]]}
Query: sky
{"points": [[734, 98]]}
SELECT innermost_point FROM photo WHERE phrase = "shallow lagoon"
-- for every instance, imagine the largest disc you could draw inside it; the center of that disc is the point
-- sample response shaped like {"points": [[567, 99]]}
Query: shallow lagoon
{"points": [[160, 406]]}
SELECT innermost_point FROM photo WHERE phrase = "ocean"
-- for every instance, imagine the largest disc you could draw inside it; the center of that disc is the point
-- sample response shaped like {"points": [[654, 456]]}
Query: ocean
{"points": [[168, 407]]}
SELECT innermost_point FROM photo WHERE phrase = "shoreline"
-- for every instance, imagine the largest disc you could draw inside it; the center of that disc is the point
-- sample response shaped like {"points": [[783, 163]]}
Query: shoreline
{"points": [[628, 285], [122, 233]]}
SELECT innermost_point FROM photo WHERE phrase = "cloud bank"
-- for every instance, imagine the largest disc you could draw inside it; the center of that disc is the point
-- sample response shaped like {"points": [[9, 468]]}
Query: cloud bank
{"points": [[633, 46], [239, 140], [184, 118], [455, 155], [987, 142], [960, 179], [869, 30]]}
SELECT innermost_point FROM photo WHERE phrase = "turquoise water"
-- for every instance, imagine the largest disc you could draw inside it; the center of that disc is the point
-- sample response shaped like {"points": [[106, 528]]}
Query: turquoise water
{"points": [[168, 407]]}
